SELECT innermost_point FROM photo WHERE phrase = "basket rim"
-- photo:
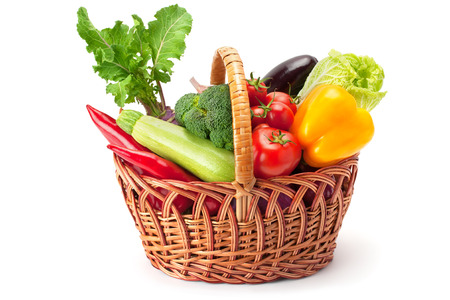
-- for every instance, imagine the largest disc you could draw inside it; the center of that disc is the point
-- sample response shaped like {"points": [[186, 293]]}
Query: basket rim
{"points": [[346, 168]]}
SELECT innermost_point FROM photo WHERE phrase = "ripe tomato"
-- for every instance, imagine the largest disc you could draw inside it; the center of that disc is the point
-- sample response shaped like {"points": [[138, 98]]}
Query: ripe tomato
{"points": [[275, 152], [261, 126], [257, 91], [258, 116], [283, 98], [280, 116]]}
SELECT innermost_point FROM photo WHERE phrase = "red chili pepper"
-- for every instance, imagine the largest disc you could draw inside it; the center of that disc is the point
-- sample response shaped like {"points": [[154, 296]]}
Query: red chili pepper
{"points": [[145, 162], [181, 203], [212, 205], [161, 168], [112, 132], [155, 165]]}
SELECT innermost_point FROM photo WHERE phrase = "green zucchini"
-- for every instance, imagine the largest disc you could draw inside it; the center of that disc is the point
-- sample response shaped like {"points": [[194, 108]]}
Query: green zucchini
{"points": [[197, 155]]}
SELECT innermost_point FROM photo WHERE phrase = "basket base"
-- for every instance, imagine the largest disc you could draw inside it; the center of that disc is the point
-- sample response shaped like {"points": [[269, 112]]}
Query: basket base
{"points": [[262, 274]]}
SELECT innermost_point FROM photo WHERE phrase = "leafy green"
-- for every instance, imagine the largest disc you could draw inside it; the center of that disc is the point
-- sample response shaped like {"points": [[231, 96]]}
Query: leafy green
{"points": [[167, 39], [361, 76], [134, 61]]}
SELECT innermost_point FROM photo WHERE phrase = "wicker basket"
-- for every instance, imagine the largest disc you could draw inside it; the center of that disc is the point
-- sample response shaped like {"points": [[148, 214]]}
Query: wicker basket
{"points": [[242, 244]]}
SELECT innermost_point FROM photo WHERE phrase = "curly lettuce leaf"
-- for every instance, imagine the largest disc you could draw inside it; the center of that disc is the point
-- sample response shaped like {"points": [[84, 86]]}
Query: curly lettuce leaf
{"points": [[361, 76], [134, 60], [167, 34], [116, 54]]}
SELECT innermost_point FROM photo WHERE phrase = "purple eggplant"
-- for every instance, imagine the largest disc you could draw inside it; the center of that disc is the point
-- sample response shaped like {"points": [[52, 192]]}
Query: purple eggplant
{"points": [[282, 199], [290, 75], [309, 196]]}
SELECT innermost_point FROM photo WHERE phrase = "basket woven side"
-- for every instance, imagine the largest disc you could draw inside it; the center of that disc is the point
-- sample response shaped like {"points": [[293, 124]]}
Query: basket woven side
{"points": [[275, 243]]}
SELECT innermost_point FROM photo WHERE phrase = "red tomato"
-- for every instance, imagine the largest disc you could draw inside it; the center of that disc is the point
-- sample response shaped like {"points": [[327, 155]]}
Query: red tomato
{"points": [[280, 116], [275, 152], [256, 97], [283, 98], [257, 91], [258, 116], [260, 126]]}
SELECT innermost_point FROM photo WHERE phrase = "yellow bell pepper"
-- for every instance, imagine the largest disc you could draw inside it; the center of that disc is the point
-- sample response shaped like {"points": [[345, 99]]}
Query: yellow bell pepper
{"points": [[330, 127]]}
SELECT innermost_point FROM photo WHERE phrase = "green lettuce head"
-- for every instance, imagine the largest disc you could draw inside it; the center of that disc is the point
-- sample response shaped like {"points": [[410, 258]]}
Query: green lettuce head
{"points": [[361, 76]]}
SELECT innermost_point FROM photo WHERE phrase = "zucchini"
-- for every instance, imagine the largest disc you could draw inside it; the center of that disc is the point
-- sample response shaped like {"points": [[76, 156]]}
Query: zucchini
{"points": [[173, 142]]}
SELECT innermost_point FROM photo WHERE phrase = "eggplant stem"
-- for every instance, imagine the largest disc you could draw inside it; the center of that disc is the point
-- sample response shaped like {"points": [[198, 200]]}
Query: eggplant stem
{"points": [[198, 87]]}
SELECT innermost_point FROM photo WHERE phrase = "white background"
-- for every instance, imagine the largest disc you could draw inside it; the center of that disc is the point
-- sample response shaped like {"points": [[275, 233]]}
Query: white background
{"points": [[65, 231]]}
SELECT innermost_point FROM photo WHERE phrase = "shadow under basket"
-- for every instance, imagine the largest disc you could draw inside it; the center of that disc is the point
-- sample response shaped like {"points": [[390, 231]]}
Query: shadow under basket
{"points": [[253, 238]]}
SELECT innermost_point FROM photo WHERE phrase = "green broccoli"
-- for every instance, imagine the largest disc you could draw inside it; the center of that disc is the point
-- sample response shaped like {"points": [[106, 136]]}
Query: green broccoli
{"points": [[208, 115]]}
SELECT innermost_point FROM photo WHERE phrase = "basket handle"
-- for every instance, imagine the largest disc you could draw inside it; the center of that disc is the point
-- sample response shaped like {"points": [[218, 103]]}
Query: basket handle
{"points": [[226, 61]]}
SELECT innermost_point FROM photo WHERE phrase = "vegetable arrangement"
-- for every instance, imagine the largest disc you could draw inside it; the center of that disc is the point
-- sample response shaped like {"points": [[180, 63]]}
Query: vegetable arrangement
{"points": [[306, 114], [177, 144]]}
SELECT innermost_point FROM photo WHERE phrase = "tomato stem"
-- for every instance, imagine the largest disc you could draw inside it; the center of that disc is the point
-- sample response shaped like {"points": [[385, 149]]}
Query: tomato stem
{"points": [[266, 108], [279, 138], [257, 82]]}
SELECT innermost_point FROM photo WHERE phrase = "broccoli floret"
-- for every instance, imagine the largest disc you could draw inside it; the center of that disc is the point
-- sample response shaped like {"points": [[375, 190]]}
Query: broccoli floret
{"points": [[183, 105], [222, 138], [208, 115], [195, 122], [215, 100]]}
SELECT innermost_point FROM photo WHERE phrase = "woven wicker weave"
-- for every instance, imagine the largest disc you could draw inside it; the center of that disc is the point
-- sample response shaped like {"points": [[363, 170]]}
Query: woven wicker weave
{"points": [[249, 246]]}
